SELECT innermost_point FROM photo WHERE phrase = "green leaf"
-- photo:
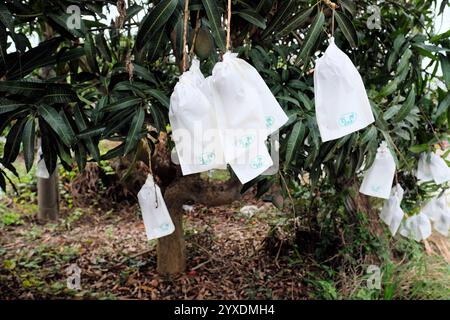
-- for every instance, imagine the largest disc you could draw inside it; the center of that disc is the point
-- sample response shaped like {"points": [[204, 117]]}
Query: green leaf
{"points": [[135, 128], [443, 107], [28, 140], [82, 125], [391, 112], [103, 47], [419, 148], [369, 135], [8, 22], [445, 67], [7, 106], [58, 124], [311, 38], [160, 96], [283, 13], [389, 88], [348, 5], [296, 22], [404, 61], [155, 46], [13, 140], [91, 132], [26, 88], [296, 137], [408, 105], [121, 104], [91, 54], [347, 27], [154, 21], [289, 99], [214, 19], [253, 17], [133, 10]]}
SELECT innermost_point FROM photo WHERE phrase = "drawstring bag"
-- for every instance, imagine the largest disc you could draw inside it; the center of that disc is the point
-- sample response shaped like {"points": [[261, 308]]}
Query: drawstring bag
{"points": [[342, 106], [432, 167], [247, 112], [423, 168], [439, 213], [378, 179], [41, 169], [156, 217], [417, 227], [252, 163], [392, 214], [439, 169], [194, 125]]}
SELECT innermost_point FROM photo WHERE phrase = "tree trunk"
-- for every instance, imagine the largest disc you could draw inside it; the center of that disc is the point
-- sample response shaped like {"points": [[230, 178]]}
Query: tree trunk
{"points": [[171, 249], [48, 193], [48, 198]]}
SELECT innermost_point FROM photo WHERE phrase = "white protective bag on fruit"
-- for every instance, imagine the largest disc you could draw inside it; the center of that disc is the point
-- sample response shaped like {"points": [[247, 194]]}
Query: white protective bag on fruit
{"points": [[378, 179], [439, 213], [432, 167], [252, 163], [423, 168], [247, 111], [194, 126], [342, 105], [392, 214], [41, 168], [156, 217], [417, 227], [439, 169]]}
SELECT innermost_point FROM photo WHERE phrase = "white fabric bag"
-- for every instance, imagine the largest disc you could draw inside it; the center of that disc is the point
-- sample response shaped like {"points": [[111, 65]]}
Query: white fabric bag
{"points": [[417, 227], [41, 168], [342, 106], [439, 213], [156, 217], [378, 179], [252, 163], [423, 168], [247, 112], [432, 167], [439, 169], [194, 126], [392, 214]]}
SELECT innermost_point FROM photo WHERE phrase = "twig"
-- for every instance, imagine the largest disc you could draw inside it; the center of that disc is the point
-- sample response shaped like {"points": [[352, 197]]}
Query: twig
{"points": [[131, 257]]}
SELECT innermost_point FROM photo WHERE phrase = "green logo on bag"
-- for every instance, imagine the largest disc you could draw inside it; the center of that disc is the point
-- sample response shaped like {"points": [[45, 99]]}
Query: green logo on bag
{"points": [[347, 119], [206, 158], [246, 141], [257, 162], [376, 188], [269, 122], [164, 227]]}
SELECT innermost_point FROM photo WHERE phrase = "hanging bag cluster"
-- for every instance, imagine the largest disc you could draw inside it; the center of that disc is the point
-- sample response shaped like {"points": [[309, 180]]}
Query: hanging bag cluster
{"points": [[194, 124], [225, 118]]}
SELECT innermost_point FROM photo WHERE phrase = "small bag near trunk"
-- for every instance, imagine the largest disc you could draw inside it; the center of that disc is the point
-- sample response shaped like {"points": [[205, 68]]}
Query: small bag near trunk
{"points": [[156, 217]]}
